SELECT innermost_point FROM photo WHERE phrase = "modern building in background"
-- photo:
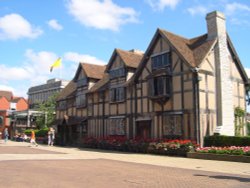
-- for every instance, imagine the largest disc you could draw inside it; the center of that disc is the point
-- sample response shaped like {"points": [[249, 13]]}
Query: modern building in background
{"points": [[179, 88], [41, 93]]}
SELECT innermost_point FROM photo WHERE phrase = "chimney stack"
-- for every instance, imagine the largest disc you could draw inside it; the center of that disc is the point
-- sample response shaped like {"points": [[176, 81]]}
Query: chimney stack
{"points": [[216, 26]]}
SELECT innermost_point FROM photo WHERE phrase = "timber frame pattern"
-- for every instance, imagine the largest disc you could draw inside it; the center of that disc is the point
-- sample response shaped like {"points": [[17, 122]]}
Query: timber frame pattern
{"points": [[170, 91]]}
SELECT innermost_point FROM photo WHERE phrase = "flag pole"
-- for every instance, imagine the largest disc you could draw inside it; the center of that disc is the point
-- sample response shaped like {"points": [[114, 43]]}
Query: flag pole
{"points": [[60, 72]]}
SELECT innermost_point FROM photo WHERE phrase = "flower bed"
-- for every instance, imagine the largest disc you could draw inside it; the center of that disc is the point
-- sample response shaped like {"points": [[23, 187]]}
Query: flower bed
{"points": [[154, 146], [232, 150], [232, 153]]}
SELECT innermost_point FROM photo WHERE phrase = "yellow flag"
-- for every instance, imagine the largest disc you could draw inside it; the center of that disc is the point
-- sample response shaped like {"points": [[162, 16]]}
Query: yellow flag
{"points": [[57, 63]]}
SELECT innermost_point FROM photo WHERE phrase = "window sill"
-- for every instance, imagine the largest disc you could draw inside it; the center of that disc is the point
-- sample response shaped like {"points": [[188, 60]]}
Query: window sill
{"points": [[114, 102], [81, 106]]}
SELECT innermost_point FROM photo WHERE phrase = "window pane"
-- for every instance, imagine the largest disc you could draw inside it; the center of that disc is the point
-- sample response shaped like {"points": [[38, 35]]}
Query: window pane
{"points": [[168, 85], [160, 85]]}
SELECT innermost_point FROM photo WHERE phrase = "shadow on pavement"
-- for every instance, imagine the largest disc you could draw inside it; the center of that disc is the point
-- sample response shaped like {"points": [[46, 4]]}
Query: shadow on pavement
{"points": [[240, 179]]}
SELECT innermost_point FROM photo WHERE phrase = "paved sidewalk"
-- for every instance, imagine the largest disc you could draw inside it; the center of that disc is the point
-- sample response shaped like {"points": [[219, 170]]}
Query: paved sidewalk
{"points": [[65, 153]]}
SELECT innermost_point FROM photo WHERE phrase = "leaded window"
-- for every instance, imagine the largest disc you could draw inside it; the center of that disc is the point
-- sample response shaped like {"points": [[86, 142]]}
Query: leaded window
{"points": [[172, 126], [161, 61], [82, 82], [117, 126], [80, 99], [118, 72], [117, 94], [159, 86]]}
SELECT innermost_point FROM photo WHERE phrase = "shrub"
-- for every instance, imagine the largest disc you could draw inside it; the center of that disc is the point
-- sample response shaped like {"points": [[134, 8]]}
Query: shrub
{"points": [[222, 141], [38, 133]]}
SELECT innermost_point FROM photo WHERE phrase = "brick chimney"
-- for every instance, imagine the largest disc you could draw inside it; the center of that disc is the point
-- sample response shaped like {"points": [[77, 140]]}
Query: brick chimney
{"points": [[216, 26]]}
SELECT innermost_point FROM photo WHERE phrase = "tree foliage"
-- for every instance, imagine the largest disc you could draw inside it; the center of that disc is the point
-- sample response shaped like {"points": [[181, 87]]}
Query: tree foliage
{"points": [[239, 115], [47, 110]]}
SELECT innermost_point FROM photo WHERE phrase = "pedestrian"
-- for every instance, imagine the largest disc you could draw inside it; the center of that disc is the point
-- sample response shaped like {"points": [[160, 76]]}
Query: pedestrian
{"points": [[6, 134], [33, 138], [51, 136]]}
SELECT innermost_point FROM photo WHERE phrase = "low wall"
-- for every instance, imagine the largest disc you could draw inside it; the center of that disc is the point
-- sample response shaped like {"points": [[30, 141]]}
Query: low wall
{"points": [[219, 157]]}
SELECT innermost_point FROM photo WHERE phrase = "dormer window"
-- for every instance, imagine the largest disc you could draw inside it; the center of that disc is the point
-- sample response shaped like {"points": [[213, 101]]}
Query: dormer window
{"points": [[161, 61], [117, 72], [80, 99], [82, 82]]}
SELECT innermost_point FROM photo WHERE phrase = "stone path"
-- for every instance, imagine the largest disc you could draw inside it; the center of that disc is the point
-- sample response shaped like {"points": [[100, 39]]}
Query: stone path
{"points": [[44, 166]]}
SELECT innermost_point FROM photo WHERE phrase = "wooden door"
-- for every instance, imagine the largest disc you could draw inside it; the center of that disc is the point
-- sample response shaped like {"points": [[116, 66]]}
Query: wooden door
{"points": [[143, 129]]}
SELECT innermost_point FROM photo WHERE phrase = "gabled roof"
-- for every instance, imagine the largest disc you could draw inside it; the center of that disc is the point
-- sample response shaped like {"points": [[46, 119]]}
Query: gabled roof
{"points": [[91, 70], [16, 99], [67, 91], [237, 59], [191, 51], [100, 84], [130, 58], [7, 94]]}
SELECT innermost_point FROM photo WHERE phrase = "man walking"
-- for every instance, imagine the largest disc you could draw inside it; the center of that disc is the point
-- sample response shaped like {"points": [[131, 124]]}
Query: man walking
{"points": [[6, 135]]}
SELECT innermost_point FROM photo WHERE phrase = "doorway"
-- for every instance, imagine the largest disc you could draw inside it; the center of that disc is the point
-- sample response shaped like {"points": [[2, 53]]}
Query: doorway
{"points": [[143, 129]]}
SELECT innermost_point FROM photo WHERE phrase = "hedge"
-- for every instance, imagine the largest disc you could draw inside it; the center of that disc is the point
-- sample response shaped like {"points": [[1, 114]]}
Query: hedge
{"points": [[221, 141], [39, 133]]}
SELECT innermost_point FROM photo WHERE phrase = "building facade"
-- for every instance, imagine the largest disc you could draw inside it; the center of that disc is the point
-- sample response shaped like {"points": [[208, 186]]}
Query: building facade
{"points": [[8, 105], [179, 88], [39, 94]]}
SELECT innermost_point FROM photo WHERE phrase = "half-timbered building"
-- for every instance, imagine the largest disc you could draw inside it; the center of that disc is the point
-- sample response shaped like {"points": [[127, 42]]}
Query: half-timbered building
{"points": [[179, 88]]}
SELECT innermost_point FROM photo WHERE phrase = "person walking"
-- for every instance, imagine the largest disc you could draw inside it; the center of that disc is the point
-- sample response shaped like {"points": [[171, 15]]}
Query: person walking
{"points": [[33, 138], [51, 136], [6, 135]]}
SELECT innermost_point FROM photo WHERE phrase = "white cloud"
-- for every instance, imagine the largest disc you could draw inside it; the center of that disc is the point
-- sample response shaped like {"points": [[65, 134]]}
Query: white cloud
{"points": [[14, 26], [101, 14], [7, 88], [236, 7], [75, 57], [19, 90], [198, 10], [55, 25], [13, 73], [35, 68], [39, 61], [248, 72], [162, 4]]}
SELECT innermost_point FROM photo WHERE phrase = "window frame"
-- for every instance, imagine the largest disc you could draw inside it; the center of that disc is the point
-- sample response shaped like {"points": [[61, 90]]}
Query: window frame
{"points": [[158, 61], [157, 90], [117, 94]]}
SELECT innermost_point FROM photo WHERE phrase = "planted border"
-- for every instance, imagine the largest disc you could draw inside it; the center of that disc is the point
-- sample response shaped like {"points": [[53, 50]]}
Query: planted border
{"points": [[153, 146]]}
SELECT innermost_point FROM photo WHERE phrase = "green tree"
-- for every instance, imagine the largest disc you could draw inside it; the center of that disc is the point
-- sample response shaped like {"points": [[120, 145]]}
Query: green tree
{"points": [[239, 115], [47, 110]]}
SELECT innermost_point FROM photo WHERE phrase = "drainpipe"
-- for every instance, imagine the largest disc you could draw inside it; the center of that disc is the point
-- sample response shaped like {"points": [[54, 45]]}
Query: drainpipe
{"points": [[196, 98], [103, 111]]}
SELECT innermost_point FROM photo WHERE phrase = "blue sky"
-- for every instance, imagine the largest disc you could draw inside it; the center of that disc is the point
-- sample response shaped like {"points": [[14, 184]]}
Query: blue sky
{"points": [[33, 34]]}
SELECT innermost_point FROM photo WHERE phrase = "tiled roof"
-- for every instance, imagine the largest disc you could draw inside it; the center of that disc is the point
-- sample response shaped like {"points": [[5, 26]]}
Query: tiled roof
{"points": [[93, 71], [16, 99], [67, 91], [100, 84], [130, 58], [7, 94], [192, 50]]}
